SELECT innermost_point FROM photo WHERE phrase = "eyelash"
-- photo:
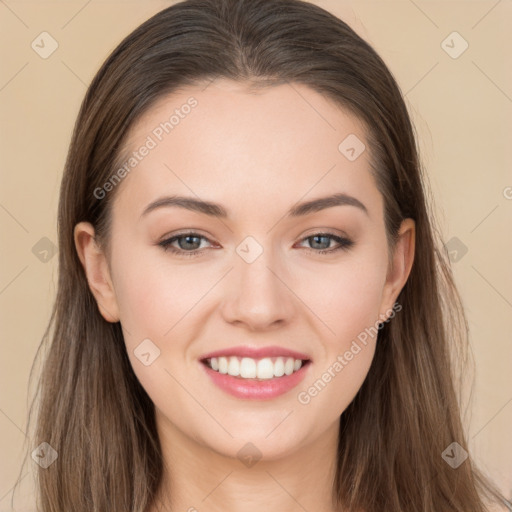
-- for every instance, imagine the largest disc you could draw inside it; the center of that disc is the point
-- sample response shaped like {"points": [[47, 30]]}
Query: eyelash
{"points": [[345, 244]]}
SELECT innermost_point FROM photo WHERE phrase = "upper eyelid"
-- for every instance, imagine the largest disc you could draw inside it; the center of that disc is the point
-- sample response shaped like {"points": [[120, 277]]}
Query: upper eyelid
{"points": [[315, 231]]}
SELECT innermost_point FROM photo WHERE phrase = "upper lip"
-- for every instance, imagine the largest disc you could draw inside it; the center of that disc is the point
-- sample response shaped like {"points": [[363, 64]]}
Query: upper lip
{"points": [[256, 352]]}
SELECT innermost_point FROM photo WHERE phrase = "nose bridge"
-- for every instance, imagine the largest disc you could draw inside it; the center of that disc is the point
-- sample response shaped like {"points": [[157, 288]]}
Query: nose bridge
{"points": [[258, 297]]}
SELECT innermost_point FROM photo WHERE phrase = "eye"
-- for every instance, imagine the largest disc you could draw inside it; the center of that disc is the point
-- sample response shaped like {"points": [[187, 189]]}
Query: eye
{"points": [[322, 239], [188, 244]]}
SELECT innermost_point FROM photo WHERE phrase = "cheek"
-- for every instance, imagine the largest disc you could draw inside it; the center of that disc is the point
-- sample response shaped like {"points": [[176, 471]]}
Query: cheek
{"points": [[345, 297], [351, 312], [154, 302], [153, 296], [356, 303]]}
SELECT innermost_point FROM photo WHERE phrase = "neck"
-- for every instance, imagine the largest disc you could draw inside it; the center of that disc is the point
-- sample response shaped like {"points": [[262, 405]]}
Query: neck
{"points": [[197, 478]]}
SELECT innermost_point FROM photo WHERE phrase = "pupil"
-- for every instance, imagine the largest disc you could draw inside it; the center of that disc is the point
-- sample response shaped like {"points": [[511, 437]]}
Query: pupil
{"points": [[188, 238], [319, 237]]}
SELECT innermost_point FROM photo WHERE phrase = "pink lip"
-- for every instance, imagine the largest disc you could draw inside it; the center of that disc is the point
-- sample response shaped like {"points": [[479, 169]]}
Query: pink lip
{"points": [[256, 389], [256, 353]]}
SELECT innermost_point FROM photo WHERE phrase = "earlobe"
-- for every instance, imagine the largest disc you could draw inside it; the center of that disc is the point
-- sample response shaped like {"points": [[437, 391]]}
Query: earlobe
{"points": [[96, 270], [398, 272]]}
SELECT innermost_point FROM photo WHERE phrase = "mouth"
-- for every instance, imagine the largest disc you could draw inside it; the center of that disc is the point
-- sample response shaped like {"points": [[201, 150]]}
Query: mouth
{"points": [[248, 368], [255, 379]]}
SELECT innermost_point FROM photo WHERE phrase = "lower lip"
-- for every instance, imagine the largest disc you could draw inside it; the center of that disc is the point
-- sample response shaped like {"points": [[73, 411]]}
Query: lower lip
{"points": [[256, 389]]}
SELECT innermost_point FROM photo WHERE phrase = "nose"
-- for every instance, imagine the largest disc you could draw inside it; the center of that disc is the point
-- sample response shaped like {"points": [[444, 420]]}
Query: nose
{"points": [[258, 295]]}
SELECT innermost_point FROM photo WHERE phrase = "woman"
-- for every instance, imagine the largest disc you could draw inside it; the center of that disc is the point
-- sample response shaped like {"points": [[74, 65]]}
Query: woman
{"points": [[253, 308]]}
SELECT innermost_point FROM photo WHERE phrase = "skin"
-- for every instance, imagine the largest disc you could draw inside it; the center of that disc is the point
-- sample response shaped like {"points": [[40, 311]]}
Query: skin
{"points": [[257, 154]]}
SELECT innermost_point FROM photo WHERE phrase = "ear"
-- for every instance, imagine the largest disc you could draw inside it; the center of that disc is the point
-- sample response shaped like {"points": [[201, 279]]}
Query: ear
{"points": [[400, 267], [96, 270]]}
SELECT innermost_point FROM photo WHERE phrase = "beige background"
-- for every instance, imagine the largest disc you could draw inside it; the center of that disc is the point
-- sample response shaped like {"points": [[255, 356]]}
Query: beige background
{"points": [[462, 111]]}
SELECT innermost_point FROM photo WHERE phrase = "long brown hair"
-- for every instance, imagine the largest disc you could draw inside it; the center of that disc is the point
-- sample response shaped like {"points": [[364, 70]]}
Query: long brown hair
{"points": [[93, 411]]}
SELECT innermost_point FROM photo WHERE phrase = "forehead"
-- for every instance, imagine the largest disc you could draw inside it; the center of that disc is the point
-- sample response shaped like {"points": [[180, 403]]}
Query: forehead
{"points": [[223, 141]]}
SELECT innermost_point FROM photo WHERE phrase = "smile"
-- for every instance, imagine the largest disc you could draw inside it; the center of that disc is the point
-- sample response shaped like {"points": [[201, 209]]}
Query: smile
{"points": [[248, 378], [249, 368]]}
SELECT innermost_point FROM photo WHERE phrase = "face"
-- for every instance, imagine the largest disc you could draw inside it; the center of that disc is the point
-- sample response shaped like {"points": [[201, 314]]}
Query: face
{"points": [[264, 280]]}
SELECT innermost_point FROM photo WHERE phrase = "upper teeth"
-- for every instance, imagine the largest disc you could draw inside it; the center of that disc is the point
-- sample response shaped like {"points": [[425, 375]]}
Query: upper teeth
{"points": [[249, 368]]}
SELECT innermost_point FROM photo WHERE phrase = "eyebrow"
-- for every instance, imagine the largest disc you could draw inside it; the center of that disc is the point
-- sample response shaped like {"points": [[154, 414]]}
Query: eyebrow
{"points": [[217, 210]]}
